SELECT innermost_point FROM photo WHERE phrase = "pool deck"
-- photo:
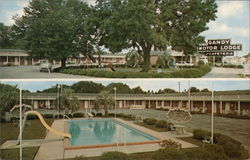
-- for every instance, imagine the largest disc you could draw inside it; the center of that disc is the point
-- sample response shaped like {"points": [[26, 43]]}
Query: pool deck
{"points": [[52, 147]]}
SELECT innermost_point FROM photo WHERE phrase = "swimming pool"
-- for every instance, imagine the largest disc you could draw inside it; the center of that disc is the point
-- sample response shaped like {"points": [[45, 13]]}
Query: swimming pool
{"points": [[105, 131]]}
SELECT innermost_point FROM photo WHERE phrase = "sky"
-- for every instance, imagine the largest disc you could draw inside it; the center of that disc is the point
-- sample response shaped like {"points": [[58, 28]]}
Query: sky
{"points": [[233, 20], [145, 84]]}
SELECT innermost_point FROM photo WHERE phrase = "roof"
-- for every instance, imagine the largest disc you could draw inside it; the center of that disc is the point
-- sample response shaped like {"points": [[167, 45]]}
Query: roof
{"points": [[172, 52], [172, 96], [13, 52]]}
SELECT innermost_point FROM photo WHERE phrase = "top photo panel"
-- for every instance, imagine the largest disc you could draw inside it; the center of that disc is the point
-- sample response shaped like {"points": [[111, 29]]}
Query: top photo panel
{"points": [[71, 39]]}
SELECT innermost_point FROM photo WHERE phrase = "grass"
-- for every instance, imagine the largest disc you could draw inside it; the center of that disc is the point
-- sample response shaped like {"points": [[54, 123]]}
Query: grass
{"points": [[13, 154], [35, 130], [191, 140], [152, 127], [10, 131]]}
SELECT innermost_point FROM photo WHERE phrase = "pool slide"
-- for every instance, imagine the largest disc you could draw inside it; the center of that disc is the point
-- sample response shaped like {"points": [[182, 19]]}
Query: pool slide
{"points": [[67, 135]]}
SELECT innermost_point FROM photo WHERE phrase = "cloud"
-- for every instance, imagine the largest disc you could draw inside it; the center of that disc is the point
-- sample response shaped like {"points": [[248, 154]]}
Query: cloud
{"points": [[218, 28], [230, 9]]}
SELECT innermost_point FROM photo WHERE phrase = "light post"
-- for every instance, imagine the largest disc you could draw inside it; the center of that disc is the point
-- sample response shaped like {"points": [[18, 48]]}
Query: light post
{"points": [[20, 125], [115, 102], [58, 96], [212, 116]]}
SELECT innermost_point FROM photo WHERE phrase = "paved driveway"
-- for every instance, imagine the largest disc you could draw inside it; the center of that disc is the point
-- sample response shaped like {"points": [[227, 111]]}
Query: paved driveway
{"points": [[27, 72], [224, 73], [237, 128]]}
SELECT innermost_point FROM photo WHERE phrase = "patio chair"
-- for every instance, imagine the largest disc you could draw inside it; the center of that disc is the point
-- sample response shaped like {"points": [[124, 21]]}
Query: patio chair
{"points": [[207, 140]]}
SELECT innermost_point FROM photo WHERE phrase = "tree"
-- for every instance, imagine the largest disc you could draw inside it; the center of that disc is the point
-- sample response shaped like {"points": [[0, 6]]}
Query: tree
{"points": [[166, 90], [53, 29], [164, 60], [138, 90], [120, 88], [152, 24], [204, 90], [6, 40], [133, 58], [104, 99], [87, 87], [9, 97], [194, 89]]}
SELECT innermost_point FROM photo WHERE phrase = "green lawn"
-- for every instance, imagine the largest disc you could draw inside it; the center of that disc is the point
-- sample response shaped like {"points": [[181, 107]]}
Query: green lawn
{"points": [[10, 131]]}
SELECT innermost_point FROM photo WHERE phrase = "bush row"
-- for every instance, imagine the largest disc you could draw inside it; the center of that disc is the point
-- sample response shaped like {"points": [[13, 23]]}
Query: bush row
{"points": [[210, 152], [232, 147], [157, 123], [232, 66], [48, 116], [182, 73]]}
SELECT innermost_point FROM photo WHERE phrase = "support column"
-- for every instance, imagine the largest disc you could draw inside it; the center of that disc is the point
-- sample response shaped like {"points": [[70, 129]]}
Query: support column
{"points": [[19, 61], [171, 103], [149, 104], [156, 105], [7, 59], [221, 112], [203, 105], [238, 105], [192, 105]]}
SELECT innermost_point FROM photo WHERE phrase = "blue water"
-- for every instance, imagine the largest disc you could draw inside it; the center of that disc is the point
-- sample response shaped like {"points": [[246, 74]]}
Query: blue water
{"points": [[103, 131]]}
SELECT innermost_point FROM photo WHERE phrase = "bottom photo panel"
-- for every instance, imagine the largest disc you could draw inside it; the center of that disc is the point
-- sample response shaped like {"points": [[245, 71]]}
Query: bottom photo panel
{"points": [[119, 119]]}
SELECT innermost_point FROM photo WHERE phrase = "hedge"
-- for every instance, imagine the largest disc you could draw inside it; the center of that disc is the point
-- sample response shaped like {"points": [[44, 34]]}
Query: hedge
{"points": [[60, 116], [114, 156], [48, 116], [99, 114], [169, 154], [232, 148], [181, 73], [149, 121], [78, 114], [161, 124]]}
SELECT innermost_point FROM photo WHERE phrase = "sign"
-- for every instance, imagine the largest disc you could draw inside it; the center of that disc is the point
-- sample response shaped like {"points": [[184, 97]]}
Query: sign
{"points": [[219, 47], [231, 47], [219, 54]]}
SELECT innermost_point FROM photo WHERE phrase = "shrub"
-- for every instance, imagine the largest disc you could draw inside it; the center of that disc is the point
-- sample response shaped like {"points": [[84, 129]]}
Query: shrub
{"points": [[120, 115], [78, 114], [170, 144], [111, 114], [31, 117], [99, 114], [114, 156], [200, 134], [48, 116], [197, 153], [161, 124], [216, 152], [150, 121], [79, 158], [60, 116], [232, 150], [169, 154]]}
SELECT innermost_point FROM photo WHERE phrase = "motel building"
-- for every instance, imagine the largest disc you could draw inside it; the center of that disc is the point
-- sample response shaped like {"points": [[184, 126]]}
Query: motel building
{"points": [[233, 103], [20, 57]]}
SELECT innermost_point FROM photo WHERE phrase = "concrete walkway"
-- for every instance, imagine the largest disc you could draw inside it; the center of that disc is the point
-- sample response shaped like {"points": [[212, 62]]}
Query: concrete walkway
{"points": [[52, 148], [224, 73]]}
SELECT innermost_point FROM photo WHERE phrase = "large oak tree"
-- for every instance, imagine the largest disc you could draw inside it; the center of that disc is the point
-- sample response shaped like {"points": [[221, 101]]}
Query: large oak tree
{"points": [[54, 29], [153, 24]]}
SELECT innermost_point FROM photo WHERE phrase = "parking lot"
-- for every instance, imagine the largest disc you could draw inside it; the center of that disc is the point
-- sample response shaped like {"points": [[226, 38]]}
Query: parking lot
{"points": [[29, 72]]}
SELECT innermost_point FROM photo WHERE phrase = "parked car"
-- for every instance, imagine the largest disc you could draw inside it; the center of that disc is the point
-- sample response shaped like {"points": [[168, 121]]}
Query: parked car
{"points": [[183, 63], [45, 66]]}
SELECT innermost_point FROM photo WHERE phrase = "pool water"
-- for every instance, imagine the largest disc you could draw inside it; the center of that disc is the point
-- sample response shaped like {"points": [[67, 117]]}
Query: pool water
{"points": [[104, 131]]}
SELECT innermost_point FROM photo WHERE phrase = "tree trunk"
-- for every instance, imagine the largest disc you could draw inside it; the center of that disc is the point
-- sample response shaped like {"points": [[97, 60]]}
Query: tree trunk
{"points": [[63, 62], [106, 113], [146, 67], [99, 60]]}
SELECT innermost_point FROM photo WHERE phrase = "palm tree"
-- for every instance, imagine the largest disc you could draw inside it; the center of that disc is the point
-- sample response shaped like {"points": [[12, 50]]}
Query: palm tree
{"points": [[165, 60], [104, 99], [67, 101], [133, 58]]}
